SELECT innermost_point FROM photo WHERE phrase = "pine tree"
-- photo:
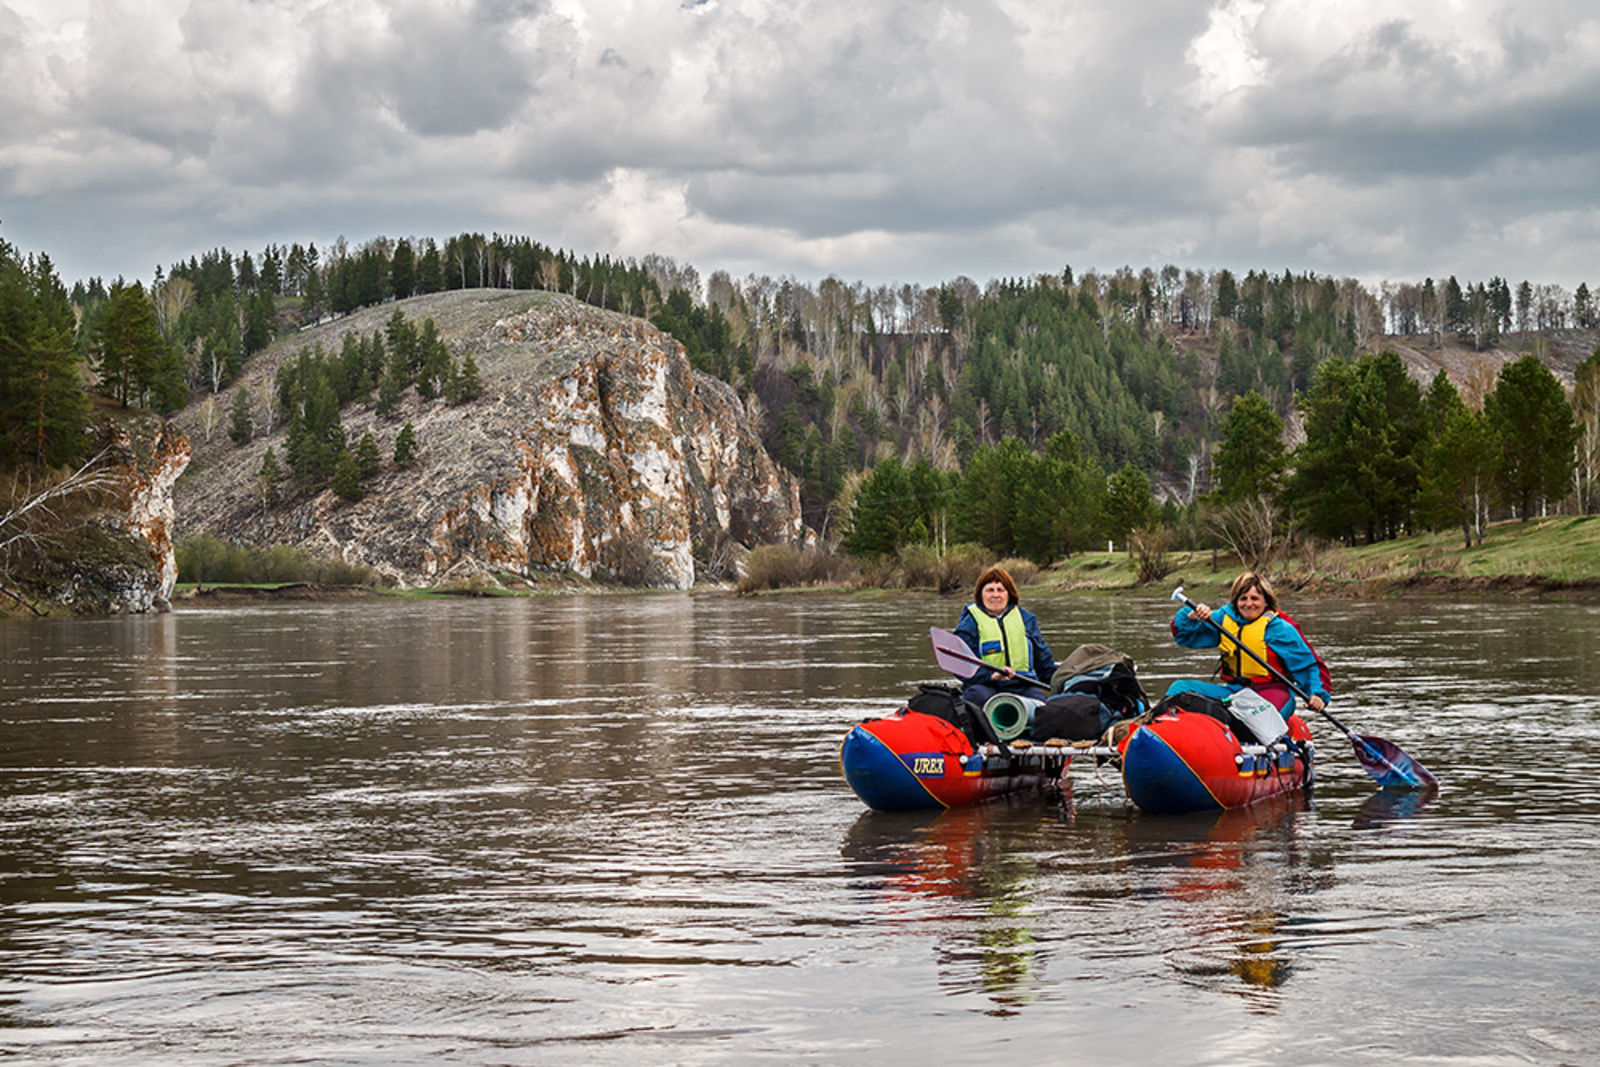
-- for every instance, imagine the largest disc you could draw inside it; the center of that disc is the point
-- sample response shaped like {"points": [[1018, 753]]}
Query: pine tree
{"points": [[1534, 432], [1130, 504], [390, 387], [1250, 460], [346, 479], [1058, 502], [368, 458], [269, 478], [260, 319], [884, 511], [405, 447], [403, 270], [128, 344], [466, 382], [1456, 464], [240, 428], [43, 407], [434, 368], [1357, 472], [430, 269]]}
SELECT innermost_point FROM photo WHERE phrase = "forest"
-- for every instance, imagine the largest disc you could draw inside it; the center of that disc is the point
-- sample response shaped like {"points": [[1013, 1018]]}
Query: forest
{"points": [[1036, 417]]}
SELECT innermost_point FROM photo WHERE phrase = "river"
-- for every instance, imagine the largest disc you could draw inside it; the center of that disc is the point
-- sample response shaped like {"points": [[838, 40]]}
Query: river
{"points": [[612, 829]]}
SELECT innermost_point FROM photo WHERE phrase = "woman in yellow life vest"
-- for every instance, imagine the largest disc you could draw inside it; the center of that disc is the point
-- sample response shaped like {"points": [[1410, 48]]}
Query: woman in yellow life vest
{"points": [[1251, 618], [1005, 635]]}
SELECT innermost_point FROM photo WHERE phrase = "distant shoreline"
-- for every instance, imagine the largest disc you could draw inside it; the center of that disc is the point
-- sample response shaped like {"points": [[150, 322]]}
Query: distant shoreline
{"points": [[1417, 585]]}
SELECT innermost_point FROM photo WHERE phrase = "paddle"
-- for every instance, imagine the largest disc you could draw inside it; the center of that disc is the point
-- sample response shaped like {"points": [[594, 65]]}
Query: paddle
{"points": [[954, 656], [1385, 761]]}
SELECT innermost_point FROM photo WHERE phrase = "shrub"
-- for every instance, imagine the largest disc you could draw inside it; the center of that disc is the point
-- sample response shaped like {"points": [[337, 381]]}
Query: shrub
{"points": [[204, 559], [1022, 571], [919, 566], [961, 566], [1152, 549], [787, 567]]}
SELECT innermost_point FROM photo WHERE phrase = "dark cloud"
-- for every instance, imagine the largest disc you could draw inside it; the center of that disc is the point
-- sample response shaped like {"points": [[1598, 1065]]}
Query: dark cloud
{"points": [[1395, 104]]}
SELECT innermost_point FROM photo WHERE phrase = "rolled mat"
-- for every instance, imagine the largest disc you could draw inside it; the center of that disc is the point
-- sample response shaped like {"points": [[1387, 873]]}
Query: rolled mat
{"points": [[1010, 714]]}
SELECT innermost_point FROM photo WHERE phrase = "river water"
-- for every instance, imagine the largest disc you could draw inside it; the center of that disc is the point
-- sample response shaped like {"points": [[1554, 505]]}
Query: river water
{"points": [[612, 829]]}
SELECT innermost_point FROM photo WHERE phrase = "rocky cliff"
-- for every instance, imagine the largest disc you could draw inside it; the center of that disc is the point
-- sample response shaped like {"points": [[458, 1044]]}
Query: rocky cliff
{"points": [[103, 543], [594, 450]]}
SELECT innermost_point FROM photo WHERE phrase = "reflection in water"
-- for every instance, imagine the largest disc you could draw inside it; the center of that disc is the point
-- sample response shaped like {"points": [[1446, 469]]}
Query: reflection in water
{"points": [[1229, 875], [1393, 805], [1221, 881], [961, 856]]}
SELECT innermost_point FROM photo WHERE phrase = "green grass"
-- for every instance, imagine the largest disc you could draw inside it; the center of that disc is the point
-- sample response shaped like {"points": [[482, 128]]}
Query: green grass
{"points": [[1561, 549]]}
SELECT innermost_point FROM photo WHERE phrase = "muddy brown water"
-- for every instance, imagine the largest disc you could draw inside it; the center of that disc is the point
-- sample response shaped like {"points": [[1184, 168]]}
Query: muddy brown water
{"points": [[613, 830]]}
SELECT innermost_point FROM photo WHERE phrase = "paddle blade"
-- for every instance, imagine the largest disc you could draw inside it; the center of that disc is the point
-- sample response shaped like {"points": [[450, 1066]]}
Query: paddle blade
{"points": [[1389, 765], [952, 653]]}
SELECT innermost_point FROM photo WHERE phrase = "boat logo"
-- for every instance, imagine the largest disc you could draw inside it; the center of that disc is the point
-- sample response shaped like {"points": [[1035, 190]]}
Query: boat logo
{"points": [[926, 766]]}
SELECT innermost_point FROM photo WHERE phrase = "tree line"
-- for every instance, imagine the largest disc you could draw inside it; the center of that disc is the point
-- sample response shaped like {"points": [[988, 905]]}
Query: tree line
{"points": [[1384, 456]]}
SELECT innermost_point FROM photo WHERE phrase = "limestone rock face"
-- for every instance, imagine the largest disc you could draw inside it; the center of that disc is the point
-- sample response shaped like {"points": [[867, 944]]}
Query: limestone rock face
{"points": [[594, 449]]}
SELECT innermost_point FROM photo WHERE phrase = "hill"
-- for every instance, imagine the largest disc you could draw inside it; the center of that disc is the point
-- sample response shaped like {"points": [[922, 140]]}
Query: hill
{"points": [[593, 449]]}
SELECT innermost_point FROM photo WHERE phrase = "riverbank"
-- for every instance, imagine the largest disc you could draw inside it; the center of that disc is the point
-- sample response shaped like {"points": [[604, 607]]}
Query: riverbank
{"points": [[1558, 556]]}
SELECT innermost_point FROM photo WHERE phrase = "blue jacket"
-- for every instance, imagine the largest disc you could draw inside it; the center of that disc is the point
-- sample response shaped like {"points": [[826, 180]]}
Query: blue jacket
{"points": [[1044, 661]]}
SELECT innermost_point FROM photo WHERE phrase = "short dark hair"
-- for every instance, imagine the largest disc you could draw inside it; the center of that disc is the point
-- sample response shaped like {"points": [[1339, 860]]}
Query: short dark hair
{"points": [[995, 574]]}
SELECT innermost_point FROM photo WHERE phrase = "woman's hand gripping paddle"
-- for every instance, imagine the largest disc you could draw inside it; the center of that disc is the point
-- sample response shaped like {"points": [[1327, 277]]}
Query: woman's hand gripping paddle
{"points": [[1385, 761], [954, 656]]}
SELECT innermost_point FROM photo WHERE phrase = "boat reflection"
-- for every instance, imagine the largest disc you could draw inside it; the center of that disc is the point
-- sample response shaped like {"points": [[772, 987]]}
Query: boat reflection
{"points": [[1230, 874], [1006, 886], [968, 871]]}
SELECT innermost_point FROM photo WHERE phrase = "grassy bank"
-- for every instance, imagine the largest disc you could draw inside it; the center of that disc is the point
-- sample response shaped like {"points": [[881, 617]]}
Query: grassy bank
{"points": [[1558, 556], [1555, 555]]}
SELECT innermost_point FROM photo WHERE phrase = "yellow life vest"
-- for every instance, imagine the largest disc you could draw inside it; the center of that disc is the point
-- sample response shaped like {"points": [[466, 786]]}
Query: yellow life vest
{"points": [[1236, 665], [1003, 642]]}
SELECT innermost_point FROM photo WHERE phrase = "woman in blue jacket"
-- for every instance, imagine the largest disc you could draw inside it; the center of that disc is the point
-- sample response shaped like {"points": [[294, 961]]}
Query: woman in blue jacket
{"points": [[1006, 636], [1251, 618]]}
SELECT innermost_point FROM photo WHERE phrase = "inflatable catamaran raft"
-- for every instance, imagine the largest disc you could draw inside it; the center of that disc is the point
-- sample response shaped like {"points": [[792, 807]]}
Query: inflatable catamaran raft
{"points": [[1185, 754], [1172, 759]]}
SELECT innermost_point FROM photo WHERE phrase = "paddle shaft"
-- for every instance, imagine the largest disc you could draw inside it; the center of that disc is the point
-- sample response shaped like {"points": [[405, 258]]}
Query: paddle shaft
{"points": [[1279, 675]]}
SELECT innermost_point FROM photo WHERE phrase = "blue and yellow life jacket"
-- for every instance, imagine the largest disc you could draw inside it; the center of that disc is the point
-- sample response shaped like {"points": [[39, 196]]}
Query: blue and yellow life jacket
{"points": [[1003, 642]]}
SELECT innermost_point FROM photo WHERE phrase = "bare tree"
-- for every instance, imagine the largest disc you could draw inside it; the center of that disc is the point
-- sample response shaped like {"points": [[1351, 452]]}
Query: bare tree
{"points": [[1249, 528], [1196, 301], [267, 402], [1586, 405], [209, 415], [171, 299], [34, 514]]}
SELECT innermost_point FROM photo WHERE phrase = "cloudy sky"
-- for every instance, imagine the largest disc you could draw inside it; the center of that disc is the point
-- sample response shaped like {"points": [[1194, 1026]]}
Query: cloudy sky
{"points": [[875, 140]]}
